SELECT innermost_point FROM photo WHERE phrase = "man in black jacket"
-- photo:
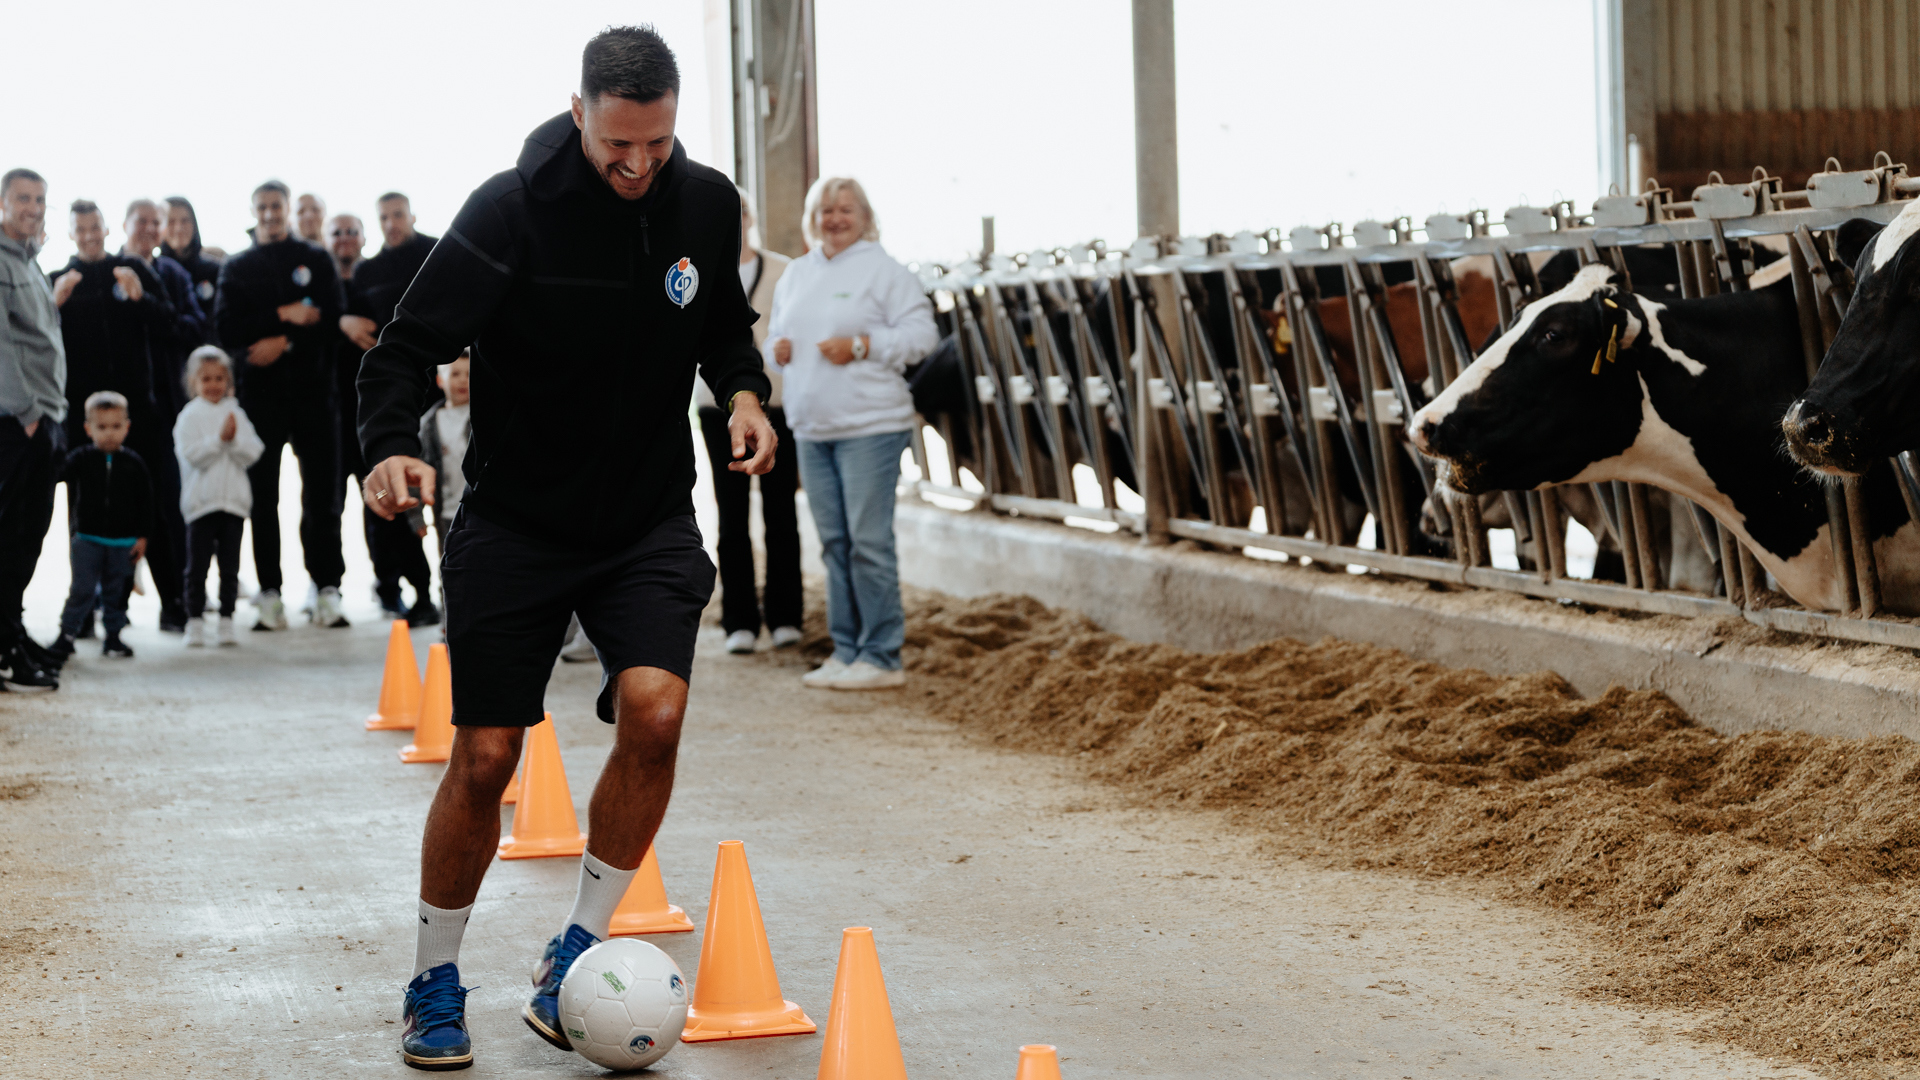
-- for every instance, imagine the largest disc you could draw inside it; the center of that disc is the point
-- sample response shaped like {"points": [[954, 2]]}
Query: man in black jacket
{"points": [[181, 242], [372, 294], [590, 280], [278, 309]]}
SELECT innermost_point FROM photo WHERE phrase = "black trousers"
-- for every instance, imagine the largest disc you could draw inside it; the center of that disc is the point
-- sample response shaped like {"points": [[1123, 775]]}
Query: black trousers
{"points": [[211, 536], [26, 510], [282, 414], [741, 606]]}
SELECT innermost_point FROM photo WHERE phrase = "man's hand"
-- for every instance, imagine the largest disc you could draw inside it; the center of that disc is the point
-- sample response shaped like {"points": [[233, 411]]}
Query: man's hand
{"points": [[129, 282], [298, 314], [139, 549], [751, 430], [31, 428], [229, 429], [385, 488], [360, 330], [837, 350], [63, 287], [782, 352], [267, 350]]}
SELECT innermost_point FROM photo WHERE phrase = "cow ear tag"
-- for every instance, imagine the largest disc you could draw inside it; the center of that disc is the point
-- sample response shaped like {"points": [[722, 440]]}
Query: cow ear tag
{"points": [[1612, 351]]}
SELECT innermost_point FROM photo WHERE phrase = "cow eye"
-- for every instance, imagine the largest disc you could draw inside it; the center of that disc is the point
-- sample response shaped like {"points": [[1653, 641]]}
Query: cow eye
{"points": [[1549, 337]]}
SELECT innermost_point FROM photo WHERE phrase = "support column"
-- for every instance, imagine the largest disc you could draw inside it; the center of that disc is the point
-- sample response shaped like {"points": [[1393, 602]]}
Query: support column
{"points": [[776, 131], [1156, 143]]}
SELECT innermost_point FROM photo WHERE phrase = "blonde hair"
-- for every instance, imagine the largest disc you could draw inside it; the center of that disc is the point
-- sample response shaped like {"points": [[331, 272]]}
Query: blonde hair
{"points": [[201, 357], [826, 188]]}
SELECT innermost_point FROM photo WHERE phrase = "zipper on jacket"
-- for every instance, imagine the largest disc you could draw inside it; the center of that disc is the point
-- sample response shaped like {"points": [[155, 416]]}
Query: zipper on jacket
{"points": [[645, 247]]}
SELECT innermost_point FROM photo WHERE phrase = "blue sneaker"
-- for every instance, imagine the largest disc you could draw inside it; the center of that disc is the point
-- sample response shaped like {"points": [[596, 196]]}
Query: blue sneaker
{"points": [[435, 1037], [542, 1014]]}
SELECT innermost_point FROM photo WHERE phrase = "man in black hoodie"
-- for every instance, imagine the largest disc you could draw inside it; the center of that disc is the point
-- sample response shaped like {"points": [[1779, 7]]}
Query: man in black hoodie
{"points": [[278, 310], [591, 281], [372, 294]]}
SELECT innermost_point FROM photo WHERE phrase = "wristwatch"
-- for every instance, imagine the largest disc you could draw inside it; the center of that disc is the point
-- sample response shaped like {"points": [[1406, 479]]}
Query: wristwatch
{"points": [[859, 347]]}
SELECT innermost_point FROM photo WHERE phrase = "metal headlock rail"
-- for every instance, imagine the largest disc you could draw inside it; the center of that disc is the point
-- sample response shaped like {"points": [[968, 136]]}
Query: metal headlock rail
{"points": [[1199, 374]]}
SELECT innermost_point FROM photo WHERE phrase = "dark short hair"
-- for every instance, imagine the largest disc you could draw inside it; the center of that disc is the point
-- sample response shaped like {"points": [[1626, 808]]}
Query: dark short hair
{"points": [[391, 196], [137, 204], [85, 206], [102, 400], [274, 185], [6, 181], [631, 62]]}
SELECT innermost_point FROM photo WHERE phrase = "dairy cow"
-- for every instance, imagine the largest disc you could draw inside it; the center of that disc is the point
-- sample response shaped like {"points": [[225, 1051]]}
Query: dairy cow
{"points": [[1593, 383]]}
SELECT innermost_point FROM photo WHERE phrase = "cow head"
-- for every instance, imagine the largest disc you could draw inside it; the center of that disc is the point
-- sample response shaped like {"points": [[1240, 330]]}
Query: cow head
{"points": [[1548, 398], [1865, 401]]}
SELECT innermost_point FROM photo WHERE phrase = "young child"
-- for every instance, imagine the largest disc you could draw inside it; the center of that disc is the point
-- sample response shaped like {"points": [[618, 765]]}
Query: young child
{"points": [[215, 442], [444, 432], [110, 502]]}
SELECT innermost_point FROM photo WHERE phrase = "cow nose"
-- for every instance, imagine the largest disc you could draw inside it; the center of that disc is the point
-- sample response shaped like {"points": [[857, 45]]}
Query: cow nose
{"points": [[1808, 426]]}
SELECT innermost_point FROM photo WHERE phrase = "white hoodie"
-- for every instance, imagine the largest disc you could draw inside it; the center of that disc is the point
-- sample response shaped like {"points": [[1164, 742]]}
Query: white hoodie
{"points": [[859, 291], [213, 472]]}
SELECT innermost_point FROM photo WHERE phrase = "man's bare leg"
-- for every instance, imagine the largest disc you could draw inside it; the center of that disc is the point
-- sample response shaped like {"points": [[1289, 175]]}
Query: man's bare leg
{"points": [[632, 794], [463, 826]]}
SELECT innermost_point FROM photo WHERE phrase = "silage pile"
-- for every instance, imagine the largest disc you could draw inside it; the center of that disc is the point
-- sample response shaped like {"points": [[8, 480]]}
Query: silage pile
{"points": [[1767, 877]]}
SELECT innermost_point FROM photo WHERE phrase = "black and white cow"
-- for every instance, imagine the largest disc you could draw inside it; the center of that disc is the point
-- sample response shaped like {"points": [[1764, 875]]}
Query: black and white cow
{"points": [[1864, 404], [1596, 384]]}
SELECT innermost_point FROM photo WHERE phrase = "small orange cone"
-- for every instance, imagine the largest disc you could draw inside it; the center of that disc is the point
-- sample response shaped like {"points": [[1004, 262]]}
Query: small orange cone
{"points": [[644, 910], [738, 992], [544, 824], [433, 738], [512, 794], [1038, 1062], [400, 688], [861, 1043]]}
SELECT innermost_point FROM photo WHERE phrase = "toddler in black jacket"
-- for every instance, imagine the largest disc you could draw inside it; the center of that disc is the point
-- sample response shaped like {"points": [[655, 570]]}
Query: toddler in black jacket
{"points": [[110, 498]]}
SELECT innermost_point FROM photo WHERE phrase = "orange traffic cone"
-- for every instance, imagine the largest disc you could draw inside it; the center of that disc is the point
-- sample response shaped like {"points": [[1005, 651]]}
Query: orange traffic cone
{"points": [[400, 689], [1038, 1062], [861, 1043], [544, 824], [512, 794], [738, 993], [644, 910], [433, 739]]}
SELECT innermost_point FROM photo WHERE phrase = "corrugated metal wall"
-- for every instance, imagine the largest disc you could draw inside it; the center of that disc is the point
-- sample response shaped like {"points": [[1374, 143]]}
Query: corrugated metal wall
{"points": [[1779, 83]]}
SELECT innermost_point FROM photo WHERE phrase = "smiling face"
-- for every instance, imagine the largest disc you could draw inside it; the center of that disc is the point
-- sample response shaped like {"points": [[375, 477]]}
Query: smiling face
{"points": [[23, 210], [270, 216], [1532, 410], [310, 213], [180, 227], [345, 238], [89, 235], [627, 142], [842, 221], [142, 228], [396, 222]]}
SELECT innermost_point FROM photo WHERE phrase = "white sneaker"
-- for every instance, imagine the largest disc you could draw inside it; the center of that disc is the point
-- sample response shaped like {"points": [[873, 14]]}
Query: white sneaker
{"points": [[312, 601], [861, 675], [273, 612], [225, 634], [579, 650], [196, 632], [326, 609], [825, 674], [741, 641], [786, 636]]}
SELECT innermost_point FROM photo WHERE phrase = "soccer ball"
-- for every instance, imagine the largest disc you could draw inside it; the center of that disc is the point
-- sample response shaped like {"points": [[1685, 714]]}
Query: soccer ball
{"points": [[623, 1004]]}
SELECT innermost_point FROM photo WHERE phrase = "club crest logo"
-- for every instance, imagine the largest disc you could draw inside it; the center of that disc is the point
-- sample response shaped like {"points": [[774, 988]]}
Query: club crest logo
{"points": [[675, 984], [206, 290], [682, 282], [302, 276], [640, 1043]]}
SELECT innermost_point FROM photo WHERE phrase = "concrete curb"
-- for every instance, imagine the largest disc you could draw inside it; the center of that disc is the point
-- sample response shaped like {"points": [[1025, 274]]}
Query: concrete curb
{"points": [[1724, 672]]}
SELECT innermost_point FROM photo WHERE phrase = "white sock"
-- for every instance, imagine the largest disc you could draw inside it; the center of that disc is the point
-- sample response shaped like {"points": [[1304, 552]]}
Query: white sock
{"points": [[440, 934], [601, 888]]}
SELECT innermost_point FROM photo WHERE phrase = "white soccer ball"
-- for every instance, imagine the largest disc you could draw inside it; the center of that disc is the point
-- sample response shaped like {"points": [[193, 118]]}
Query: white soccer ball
{"points": [[623, 1004]]}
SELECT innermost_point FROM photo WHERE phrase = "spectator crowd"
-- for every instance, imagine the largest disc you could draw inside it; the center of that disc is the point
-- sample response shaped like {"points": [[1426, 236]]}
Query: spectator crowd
{"points": [[162, 381]]}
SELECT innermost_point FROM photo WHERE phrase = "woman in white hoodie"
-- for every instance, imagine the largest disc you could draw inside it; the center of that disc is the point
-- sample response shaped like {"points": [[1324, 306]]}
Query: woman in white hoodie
{"points": [[215, 442], [847, 320]]}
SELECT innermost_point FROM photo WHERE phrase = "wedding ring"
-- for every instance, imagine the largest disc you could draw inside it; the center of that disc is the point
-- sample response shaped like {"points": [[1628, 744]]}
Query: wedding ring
{"points": [[381, 494]]}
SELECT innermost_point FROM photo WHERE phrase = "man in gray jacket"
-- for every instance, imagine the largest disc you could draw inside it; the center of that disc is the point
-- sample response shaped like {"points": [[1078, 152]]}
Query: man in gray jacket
{"points": [[33, 402]]}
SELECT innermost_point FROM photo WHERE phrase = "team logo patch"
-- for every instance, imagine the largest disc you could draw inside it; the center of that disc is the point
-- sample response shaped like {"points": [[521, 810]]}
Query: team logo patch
{"points": [[302, 276], [676, 985], [640, 1043], [682, 282], [206, 290]]}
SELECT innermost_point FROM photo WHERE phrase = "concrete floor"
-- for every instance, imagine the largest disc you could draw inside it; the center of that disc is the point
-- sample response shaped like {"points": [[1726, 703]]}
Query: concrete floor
{"points": [[209, 869]]}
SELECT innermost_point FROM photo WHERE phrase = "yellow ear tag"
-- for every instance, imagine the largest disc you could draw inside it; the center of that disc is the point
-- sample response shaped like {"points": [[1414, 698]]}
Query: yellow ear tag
{"points": [[1609, 303], [1613, 345], [1597, 354]]}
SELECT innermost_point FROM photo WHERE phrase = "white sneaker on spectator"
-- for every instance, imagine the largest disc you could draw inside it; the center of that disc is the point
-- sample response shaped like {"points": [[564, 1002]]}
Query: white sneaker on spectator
{"points": [[273, 611], [825, 674], [326, 609], [741, 641], [312, 601], [861, 675], [225, 634], [196, 632], [785, 636], [579, 650]]}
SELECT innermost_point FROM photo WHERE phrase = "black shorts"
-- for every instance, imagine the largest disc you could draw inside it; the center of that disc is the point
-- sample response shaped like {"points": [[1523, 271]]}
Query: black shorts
{"points": [[509, 598]]}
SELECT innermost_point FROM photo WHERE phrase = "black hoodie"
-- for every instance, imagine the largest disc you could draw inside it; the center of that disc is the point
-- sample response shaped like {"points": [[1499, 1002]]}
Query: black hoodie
{"points": [[253, 285], [110, 340], [587, 314], [205, 273]]}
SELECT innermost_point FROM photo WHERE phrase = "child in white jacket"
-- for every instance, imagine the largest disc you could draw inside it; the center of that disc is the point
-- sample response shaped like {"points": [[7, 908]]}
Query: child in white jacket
{"points": [[215, 443]]}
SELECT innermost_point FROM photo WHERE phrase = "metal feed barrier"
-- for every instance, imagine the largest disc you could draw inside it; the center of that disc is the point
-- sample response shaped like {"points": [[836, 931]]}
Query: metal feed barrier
{"points": [[1201, 376]]}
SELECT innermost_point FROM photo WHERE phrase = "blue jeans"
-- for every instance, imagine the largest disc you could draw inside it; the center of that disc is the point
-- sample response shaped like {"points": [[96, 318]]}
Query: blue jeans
{"points": [[101, 575], [849, 485]]}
